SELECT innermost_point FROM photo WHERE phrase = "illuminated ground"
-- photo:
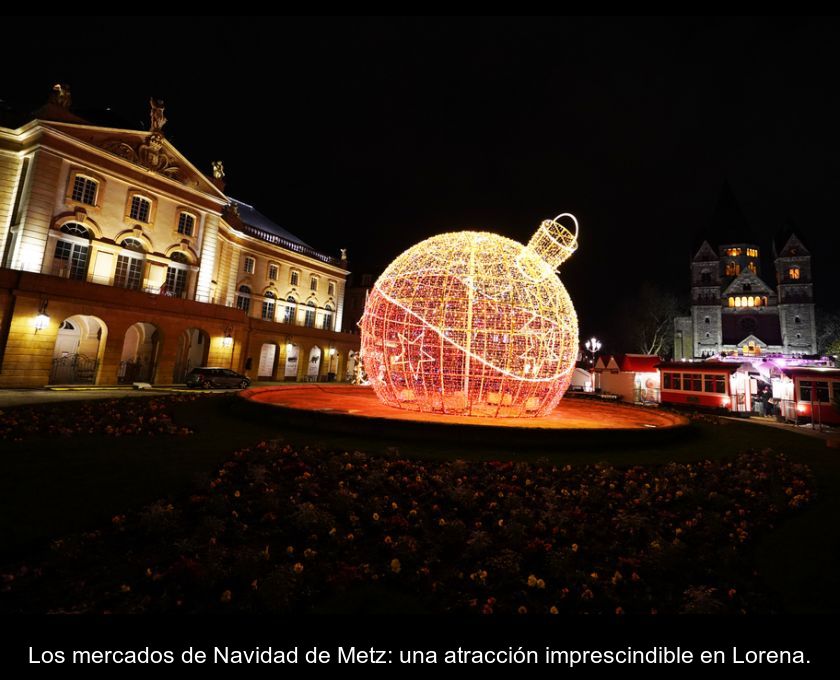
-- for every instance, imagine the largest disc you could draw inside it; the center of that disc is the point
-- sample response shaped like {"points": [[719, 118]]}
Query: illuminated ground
{"points": [[355, 409]]}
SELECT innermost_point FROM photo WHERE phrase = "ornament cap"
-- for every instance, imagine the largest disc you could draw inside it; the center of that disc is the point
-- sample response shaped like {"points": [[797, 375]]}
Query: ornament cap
{"points": [[554, 242]]}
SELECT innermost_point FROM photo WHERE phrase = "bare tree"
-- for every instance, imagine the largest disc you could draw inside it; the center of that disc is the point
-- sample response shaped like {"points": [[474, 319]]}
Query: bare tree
{"points": [[649, 321], [828, 332]]}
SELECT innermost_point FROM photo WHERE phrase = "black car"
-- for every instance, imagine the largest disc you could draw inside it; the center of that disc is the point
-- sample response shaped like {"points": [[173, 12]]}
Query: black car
{"points": [[217, 377]]}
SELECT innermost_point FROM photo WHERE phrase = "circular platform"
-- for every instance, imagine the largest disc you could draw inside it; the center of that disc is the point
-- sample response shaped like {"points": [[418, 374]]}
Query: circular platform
{"points": [[355, 410]]}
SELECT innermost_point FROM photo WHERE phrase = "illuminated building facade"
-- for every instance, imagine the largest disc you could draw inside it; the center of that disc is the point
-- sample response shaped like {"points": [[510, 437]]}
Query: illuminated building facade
{"points": [[122, 262], [733, 309]]}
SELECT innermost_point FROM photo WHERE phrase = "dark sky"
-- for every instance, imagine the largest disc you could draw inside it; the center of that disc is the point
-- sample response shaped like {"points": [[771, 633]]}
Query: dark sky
{"points": [[372, 134]]}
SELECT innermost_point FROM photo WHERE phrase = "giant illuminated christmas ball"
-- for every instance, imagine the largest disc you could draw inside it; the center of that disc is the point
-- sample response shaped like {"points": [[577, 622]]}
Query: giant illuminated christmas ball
{"points": [[473, 323]]}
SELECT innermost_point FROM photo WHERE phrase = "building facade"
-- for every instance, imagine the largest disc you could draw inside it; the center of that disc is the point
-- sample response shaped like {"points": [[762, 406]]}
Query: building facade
{"points": [[122, 262], [735, 311]]}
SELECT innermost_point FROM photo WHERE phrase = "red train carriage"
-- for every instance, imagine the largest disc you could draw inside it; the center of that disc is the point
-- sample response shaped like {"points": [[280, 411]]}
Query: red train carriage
{"points": [[706, 385], [808, 394]]}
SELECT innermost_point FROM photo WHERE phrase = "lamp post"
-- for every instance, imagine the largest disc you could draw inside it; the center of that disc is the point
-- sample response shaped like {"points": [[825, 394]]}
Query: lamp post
{"points": [[592, 346]]}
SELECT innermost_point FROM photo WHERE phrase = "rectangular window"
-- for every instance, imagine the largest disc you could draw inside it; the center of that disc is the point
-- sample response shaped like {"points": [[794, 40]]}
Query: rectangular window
{"points": [[250, 263], [129, 272], [186, 224], [331, 289], [676, 382], [140, 208], [70, 260], [243, 302], [814, 391], [268, 310], [293, 278], [313, 283], [714, 383], [309, 319], [695, 380], [84, 190], [667, 382], [289, 313], [273, 271], [176, 281]]}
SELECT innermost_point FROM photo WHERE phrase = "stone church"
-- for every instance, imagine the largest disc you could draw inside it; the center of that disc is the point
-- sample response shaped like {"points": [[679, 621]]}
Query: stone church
{"points": [[733, 307]]}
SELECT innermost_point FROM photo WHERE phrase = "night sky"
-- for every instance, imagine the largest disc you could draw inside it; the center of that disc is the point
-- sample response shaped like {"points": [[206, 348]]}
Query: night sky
{"points": [[372, 134]]}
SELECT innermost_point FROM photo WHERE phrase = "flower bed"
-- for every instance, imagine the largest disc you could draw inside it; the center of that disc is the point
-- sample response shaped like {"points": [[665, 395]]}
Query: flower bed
{"points": [[282, 529], [146, 416]]}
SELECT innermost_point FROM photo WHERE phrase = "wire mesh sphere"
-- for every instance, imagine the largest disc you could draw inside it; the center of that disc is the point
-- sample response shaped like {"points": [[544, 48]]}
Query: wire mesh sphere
{"points": [[473, 323]]}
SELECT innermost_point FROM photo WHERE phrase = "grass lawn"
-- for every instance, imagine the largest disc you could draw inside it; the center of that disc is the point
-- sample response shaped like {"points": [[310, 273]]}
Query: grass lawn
{"points": [[55, 486]]}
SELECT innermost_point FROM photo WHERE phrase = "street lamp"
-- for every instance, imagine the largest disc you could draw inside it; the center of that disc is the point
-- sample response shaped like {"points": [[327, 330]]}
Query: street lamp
{"points": [[592, 346]]}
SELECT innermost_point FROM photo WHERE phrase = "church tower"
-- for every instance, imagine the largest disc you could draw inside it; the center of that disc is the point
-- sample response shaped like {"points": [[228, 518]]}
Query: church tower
{"points": [[705, 302], [796, 296]]}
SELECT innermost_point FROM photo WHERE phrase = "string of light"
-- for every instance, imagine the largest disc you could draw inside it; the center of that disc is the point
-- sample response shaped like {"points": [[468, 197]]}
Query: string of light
{"points": [[474, 323]]}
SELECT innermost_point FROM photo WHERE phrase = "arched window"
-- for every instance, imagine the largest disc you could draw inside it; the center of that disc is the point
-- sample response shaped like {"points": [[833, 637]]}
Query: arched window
{"points": [[797, 319], [733, 269], [84, 190], [328, 318], [750, 301], [268, 306], [130, 265], [737, 302], [70, 258], [757, 301], [186, 224], [731, 301], [141, 209], [176, 275], [289, 312], [309, 318], [243, 299]]}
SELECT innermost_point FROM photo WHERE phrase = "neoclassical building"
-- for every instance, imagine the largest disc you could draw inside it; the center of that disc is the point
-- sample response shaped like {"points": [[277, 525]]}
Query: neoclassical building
{"points": [[122, 262]]}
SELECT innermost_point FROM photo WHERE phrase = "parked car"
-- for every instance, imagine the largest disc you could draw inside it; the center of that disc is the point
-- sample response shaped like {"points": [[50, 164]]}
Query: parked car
{"points": [[216, 377]]}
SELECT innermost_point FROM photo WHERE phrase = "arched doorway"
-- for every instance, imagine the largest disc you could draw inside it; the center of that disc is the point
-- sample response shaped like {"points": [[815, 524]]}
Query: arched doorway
{"points": [[314, 364], [268, 354], [139, 354], [193, 349], [292, 355], [78, 350]]}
